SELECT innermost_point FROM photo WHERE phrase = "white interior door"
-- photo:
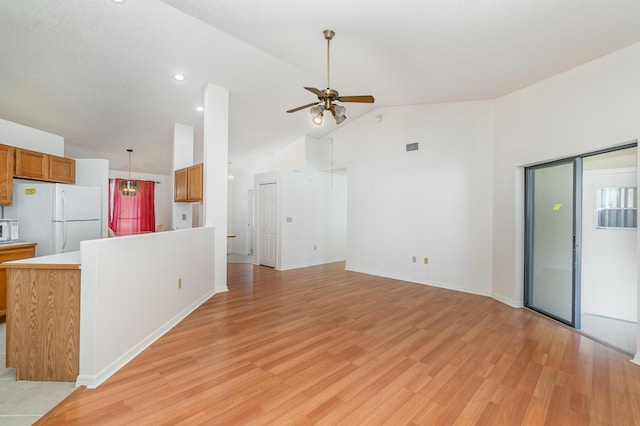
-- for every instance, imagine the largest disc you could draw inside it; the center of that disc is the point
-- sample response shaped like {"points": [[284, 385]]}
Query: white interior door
{"points": [[250, 223], [268, 224]]}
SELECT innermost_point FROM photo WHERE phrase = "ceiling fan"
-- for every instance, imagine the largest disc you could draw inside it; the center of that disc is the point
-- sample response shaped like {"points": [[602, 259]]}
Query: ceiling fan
{"points": [[328, 96]]}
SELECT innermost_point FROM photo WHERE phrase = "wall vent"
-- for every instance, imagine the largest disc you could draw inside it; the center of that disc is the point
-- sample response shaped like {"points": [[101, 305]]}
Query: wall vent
{"points": [[412, 146]]}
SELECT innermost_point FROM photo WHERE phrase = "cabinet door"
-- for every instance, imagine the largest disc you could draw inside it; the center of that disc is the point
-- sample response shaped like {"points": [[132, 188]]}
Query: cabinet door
{"points": [[62, 169], [180, 185], [6, 174], [31, 164], [8, 253], [194, 182]]}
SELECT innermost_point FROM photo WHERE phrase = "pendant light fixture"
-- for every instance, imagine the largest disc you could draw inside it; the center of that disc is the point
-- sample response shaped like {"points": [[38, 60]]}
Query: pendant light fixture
{"points": [[129, 187]]}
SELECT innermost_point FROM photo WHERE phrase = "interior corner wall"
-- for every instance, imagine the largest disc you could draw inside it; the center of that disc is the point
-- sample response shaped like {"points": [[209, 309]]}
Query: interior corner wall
{"points": [[431, 203], [312, 219], [20, 136], [289, 157], [591, 107]]}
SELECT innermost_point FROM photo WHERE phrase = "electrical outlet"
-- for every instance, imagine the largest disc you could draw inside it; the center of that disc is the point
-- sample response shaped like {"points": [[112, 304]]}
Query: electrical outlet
{"points": [[413, 259], [426, 261], [315, 247], [179, 283]]}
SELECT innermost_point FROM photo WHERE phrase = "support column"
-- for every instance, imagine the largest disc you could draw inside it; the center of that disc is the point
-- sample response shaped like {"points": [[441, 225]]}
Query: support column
{"points": [[216, 153]]}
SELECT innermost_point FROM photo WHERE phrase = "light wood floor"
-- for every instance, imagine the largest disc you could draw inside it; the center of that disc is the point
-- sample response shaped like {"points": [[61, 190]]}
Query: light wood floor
{"points": [[323, 346]]}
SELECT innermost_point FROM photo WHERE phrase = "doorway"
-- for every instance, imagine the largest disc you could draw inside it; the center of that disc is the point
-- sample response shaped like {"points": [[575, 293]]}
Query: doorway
{"points": [[581, 244], [268, 221]]}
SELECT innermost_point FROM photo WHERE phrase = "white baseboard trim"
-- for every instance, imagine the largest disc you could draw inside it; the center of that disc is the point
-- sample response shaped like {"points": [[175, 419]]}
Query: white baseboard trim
{"points": [[446, 286], [93, 381], [507, 301], [636, 359], [307, 264]]}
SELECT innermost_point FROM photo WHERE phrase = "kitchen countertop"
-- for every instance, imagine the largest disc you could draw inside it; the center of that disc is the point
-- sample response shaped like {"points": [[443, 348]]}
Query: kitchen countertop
{"points": [[70, 260], [14, 243]]}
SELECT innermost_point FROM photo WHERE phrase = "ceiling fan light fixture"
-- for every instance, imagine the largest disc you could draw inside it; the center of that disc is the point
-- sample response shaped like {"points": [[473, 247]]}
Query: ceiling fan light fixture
{"points": [[316, 114], [339, 113]]}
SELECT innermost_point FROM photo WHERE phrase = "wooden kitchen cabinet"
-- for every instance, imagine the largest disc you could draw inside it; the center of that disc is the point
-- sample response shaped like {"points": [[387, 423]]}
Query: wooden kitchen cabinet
{"points": [[11, 252], [188, 183], [62, 169], [6, 174], [40, 166], [31, 164], [180, 182], [194, 182], [43, 321]]}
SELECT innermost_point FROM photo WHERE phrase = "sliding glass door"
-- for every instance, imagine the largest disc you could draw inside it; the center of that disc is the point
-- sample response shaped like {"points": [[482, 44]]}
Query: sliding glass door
{"points": [[552, 238]]}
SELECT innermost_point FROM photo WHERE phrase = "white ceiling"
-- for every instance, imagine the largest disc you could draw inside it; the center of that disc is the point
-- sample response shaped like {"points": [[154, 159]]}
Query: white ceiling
{"points": [[100, 73]]}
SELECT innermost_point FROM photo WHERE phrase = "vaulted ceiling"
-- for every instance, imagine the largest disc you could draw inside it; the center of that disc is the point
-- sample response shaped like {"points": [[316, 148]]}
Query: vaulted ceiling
{"points": [[100, 73]]}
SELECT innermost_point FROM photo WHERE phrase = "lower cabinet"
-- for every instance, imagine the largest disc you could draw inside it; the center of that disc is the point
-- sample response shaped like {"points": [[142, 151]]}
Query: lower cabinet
{"points": [[43, 322], [8, 253]]}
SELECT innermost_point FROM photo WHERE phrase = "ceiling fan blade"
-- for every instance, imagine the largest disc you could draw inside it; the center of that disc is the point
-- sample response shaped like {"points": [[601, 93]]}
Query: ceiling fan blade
{"points": [[365, 99], [303, 107], [315, 91]]}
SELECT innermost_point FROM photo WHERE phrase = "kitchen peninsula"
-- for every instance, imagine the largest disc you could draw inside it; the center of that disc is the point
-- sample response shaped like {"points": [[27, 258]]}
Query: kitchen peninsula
{"points": [[43, 317], [81, 316]]}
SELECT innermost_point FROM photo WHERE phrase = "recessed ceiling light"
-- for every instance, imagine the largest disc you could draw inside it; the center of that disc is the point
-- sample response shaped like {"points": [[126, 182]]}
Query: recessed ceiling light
{"points": [[199, 109], [179, 77], [118, 1]]}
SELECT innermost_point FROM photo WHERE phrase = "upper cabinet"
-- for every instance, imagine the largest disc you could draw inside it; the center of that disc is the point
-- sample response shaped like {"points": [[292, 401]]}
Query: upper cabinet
{"points": [[31, 164], [180, 187], [26, 164], [6, 174], [62, 169], [46, 167], [188, 184]]}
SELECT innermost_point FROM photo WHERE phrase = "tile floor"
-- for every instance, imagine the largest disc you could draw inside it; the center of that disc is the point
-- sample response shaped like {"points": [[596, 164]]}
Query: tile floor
{"points": [[617, 333], [22, 402]]}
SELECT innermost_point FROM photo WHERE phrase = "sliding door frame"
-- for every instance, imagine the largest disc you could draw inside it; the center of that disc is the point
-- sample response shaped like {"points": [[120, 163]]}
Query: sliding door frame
{"points": [[576, 235], [529, 184]]}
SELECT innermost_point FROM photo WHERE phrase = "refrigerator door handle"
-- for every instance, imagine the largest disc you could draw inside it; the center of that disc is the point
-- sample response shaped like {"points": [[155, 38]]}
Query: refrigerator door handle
{"points": [[64, 221]]}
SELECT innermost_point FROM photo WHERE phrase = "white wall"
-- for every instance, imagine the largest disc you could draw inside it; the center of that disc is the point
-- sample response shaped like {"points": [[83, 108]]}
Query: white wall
{"points": [[216, 171], [434, 202], [291, 157], [163, 196], [130, 297], [183, 153], [591, 107], [95, 172], [312, 219], [28, 138]]}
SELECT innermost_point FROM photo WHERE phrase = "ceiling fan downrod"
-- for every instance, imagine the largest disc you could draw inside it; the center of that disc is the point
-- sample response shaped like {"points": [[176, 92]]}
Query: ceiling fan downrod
{"points": [[328, 35]]}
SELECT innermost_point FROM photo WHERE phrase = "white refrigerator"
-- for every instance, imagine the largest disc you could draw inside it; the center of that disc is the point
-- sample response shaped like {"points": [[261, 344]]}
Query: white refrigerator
{"points": [[56, 216]]}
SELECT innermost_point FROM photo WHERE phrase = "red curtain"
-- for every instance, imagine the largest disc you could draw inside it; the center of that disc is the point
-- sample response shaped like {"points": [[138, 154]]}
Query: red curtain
{"points": [[132, 214]]}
